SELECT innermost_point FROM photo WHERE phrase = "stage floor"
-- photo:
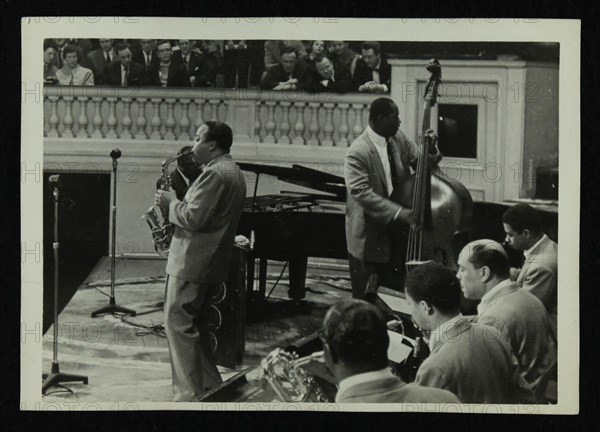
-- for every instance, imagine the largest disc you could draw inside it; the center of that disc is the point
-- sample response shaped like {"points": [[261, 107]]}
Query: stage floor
{"points": [[128, 359]]}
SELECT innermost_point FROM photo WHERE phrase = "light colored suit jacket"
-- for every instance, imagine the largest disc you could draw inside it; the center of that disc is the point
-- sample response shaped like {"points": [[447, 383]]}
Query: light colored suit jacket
{"points": [[540, 272], [525, 323], [394, 390], [368, 208], [475, 363], [206, 222]]}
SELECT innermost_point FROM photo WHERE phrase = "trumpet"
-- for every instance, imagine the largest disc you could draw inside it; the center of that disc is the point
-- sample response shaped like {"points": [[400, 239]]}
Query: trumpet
{"points": [[162, 230]]}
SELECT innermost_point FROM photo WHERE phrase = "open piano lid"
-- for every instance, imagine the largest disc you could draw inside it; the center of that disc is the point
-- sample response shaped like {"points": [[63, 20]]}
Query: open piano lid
{"points": [[302, 176]]}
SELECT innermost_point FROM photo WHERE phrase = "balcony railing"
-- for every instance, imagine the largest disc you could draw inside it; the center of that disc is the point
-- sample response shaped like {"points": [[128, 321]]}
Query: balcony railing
{"points": [[293, 118]]}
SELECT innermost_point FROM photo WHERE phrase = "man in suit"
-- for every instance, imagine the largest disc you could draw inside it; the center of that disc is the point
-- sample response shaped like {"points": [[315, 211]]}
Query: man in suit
{"points": [[125, 72], [205, 225], [186, 172], [274, 51], [376, 163], [167, 73], [372, 73], [200, 68], [100, 59], [355, 345], [538, 275], [147, 55], [327, 78], [287, 75], [471, 360], [341, 55], [483, 272]]}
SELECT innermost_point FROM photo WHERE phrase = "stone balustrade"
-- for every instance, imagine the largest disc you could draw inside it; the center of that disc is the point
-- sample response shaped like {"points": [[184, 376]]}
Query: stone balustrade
{"points": [[292, 118]]}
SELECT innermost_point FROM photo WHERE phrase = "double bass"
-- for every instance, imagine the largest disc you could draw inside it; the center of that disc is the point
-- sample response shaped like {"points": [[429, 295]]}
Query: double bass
{"points": [[442, 207]]}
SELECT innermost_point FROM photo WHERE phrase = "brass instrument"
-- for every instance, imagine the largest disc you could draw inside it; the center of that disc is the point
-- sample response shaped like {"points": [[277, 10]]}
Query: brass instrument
{"points": [[162, 231], [289, 380]]}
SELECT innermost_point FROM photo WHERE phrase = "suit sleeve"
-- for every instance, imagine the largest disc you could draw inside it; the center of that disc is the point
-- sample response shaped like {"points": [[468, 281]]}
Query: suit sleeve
{"points": [[269, 81], [541, 282], [432, 376], [357, 182], [89, 78], [204, 198]]}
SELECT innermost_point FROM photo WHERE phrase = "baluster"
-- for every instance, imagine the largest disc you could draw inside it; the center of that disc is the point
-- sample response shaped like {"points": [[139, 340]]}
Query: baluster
{"points": [[97, 133], [299, 127], [199, 115], [126, 121], [170, 121], [53, 120], [68, 118], [225, 112], [82, 120], [328, 128], [156, 121], [214, 108], [111, 121], [358, 123], [344, 128], [285, 127], [313, 129], [257, 124], [270, 125], [140, 122], [184, 122]]}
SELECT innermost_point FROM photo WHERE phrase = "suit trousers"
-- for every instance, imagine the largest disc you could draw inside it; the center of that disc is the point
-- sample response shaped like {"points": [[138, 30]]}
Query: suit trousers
{"points": [[187, 306]]}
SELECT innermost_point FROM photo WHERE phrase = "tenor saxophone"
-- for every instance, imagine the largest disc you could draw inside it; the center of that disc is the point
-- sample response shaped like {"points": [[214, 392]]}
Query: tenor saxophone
{"points": [[160, 227]]}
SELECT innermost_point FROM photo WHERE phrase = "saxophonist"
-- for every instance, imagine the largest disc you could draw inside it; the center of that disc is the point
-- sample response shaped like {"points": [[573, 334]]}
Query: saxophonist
{"points": [[205, 221], [186, 172]]}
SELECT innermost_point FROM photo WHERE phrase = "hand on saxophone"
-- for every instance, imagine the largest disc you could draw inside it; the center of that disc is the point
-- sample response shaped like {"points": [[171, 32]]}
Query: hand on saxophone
{"points": [[163, 198]]}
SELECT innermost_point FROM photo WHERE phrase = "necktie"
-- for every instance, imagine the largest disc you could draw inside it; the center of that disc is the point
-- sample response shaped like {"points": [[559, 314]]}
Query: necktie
{"points": [[147, 59], [186, 63], [126, 77], [107, 58]]}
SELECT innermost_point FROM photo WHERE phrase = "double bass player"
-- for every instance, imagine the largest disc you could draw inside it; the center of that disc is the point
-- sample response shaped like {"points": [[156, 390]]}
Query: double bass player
{"points": [[376, 163]]}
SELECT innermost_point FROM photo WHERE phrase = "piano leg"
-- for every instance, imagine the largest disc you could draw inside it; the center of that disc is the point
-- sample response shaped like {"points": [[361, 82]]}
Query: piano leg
{"points": [[297, 275]]}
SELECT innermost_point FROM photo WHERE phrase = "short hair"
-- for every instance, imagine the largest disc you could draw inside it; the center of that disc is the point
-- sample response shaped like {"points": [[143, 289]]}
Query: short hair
{"points": [[49, 43], [491, 254], [435, 284], [221, 133], [121, 47], [521, 217], [72, 49], [163, 41], [375, 46], [380, 107], [320, 59], [288, 50], [356, 333]]}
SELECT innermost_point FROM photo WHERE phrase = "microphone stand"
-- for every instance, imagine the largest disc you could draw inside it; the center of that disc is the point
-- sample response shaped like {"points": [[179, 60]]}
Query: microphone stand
{"points": [[55, 377], [112, 305]]}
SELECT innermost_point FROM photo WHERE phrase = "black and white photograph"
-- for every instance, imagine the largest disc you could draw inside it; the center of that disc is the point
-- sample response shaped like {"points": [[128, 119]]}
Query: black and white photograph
{"points": [[224, 214]]}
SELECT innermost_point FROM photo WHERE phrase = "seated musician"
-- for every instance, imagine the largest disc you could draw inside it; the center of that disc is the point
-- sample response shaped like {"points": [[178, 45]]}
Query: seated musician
{"points": [[377, 163], [523, 228], [483, 272], [355, 341], [184, 174], [471, 360]]}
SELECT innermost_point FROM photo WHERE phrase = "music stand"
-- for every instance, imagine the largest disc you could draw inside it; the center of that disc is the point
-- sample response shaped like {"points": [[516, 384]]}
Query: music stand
{"points": [[112, 304], [55, 377]]}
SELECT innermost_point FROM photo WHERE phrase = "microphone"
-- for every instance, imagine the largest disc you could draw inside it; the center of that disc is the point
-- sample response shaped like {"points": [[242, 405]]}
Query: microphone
{"points": [[115, 154]]}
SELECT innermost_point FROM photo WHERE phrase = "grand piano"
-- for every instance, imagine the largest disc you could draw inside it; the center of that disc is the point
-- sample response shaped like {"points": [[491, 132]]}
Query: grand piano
{"points": [[293, 226]]}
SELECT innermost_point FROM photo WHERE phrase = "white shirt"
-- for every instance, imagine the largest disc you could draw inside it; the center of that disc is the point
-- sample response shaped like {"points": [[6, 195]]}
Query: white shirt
{"points": [[528, 251], [381, 146], [358, 379], [484, 300], [437, 334], [123, 74]]}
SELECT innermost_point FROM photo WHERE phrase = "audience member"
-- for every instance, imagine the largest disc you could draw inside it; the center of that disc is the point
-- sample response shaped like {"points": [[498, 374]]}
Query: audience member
{"points": [[242, 63], [471, 360], [125, 72], [100, 59], [288, 75], [538, 275], [341, 55], [316, 52], [355, 345], [274, 48], [167, 73], [372, 73], [200, 67], [327, 78], [483, 272], [147, 55], [50, 51], [72, 73]]}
